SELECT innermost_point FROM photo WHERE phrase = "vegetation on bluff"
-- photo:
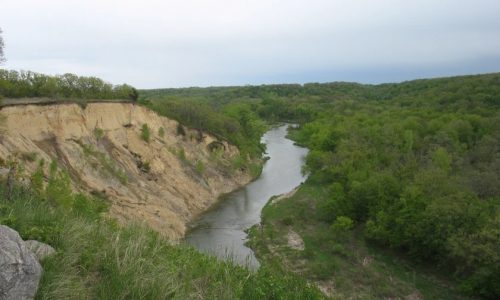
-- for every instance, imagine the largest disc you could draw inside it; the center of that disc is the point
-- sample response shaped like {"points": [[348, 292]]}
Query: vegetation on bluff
{"points": [[236, 122], [27, 84], [2, 44]]}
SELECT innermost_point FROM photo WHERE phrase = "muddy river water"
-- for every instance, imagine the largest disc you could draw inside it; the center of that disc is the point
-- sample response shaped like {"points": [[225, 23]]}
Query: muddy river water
{"points": [[221, 231]]}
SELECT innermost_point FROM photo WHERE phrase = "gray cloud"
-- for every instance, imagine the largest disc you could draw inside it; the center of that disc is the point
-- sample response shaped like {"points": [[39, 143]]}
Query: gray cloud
{"points": [[194, 42]]}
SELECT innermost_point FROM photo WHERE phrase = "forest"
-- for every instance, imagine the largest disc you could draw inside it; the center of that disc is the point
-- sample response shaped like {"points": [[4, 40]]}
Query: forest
{"points": [[415, 165], [27, 84]]}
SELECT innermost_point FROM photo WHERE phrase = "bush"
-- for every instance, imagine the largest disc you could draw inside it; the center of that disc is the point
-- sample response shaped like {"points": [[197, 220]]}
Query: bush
{"points": [[341, 227], [98, 133], [182, 155], [200, 167], [144, 166], [161, 132], [180, 130], [29, 156], [342, 224], [145, 133], [288, 221]]}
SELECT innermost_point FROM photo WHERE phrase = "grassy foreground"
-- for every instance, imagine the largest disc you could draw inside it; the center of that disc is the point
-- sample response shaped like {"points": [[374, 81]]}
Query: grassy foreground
{"points": [[99, 259], [339, 259]]}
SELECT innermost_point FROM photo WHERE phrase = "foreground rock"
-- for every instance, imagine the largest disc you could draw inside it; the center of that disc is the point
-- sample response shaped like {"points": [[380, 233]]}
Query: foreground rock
{"points": [[20, 272]]}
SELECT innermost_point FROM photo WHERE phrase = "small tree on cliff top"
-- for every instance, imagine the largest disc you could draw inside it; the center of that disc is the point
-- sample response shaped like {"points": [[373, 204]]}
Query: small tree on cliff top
{"points": [[2, 45]]}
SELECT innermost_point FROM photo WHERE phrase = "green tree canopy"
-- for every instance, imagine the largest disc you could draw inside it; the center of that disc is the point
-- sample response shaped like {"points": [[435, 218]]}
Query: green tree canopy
{"points": [[2, 45]]}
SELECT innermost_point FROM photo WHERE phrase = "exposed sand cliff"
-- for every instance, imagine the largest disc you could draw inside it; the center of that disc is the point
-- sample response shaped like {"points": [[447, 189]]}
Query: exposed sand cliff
{"points": [[102, 148]]}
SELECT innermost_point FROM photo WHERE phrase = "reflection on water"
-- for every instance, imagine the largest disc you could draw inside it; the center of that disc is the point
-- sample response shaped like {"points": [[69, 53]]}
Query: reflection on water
{"points": [[221, 230]]}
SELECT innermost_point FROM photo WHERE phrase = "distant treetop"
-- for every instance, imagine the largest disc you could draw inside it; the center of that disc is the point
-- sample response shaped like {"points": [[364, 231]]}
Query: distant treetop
{"points": [[27, 84], [2, 45]]}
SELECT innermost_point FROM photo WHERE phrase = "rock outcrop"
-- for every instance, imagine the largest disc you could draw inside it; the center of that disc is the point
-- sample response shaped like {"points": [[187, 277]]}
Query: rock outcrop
{"points": [[165, 182], [20, 272]]}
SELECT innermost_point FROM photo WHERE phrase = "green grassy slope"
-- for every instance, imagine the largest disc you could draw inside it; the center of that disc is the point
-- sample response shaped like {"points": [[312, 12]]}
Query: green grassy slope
{"points": [[98, 259]]}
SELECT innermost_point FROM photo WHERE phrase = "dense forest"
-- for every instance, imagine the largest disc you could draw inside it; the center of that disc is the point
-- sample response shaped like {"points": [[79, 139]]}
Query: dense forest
{"points": [[415, 165], [418, 166], [27, 84]]}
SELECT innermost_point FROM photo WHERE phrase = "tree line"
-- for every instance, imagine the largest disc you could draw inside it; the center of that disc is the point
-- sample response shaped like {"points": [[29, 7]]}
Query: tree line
{"points": [[27, 84]]}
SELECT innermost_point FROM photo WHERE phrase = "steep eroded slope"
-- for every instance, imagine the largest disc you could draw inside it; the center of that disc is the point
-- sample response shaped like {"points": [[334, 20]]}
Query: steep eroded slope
{"points": [[165, 182]]}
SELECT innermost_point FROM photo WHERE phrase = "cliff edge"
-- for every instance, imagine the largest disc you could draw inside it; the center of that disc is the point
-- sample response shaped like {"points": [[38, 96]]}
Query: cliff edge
{"points": [[149, 167]]}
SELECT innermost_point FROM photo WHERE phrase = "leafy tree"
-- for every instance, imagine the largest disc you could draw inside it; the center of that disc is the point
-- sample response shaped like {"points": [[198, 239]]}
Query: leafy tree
{"points": [[2, 45], [16, 84]]}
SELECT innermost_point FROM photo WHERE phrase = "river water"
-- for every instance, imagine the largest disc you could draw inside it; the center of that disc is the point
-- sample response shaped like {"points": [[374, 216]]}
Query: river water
{"points": [[221, 231]]}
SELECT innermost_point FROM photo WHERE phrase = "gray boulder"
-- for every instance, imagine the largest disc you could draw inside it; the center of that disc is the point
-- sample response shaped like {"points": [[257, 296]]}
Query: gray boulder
{"points": [[39, 249], [20, 272]]}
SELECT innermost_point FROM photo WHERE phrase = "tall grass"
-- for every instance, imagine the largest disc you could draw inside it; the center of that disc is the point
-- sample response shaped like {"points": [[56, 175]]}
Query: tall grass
{"points": [[97, 258]]}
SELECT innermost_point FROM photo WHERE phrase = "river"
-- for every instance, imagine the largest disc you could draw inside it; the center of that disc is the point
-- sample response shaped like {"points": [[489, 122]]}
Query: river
{"points": [[221, 230]]}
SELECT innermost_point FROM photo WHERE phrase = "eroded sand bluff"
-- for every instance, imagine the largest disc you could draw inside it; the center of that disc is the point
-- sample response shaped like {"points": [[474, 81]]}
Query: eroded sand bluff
{"points": [[102, 149]]}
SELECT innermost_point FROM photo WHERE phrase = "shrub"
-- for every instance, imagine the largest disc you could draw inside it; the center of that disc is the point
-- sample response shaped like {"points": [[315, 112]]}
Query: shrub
{"points": [[287, 220], [145, 133], [239, 162], [161, 132], [342, 223], [341, 227], [200, 167], [98, 133], [29, 156], [182, 155], [144, 166], [180, 130]]}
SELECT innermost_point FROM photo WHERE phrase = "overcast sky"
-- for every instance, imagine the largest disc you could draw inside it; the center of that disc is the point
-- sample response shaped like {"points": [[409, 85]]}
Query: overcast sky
{"points": [[153, 43]]}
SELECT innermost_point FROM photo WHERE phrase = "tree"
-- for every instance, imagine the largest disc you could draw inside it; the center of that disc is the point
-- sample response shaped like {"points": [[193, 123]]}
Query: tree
{"points": [[2, 45], [133, 94]]}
